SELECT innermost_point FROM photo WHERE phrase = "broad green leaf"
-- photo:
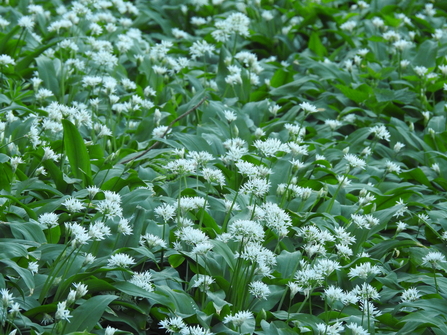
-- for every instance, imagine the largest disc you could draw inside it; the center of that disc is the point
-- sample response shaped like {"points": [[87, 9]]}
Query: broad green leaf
{"points": [[355, 95], [426, 54], [89, 313], [22, 273], [47, 73], [316, 46], [77, 153]]}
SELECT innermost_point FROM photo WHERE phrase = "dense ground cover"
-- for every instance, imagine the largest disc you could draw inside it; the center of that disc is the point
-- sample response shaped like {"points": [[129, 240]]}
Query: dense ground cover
{"points": [[225, 167]]}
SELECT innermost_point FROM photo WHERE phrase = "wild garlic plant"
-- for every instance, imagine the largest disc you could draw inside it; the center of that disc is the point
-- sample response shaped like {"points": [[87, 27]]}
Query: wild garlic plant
{"points": [[222, 167]]}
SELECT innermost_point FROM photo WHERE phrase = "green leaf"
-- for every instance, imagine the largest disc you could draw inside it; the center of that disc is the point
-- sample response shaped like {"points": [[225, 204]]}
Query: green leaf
{"points": [[5, 38], [355, 95], [86, 316], [427, 54], [77, 153], [176, 260], [382, 248], [47, 73], [12, 250], [28, 231], [193, 142], [24, 274], [416, 176], [316, 46]]}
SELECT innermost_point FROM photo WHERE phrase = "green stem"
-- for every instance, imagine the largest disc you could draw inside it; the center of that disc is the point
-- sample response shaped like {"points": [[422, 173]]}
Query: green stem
{"points": [[436, 281], [53, 273], [227, 216]]}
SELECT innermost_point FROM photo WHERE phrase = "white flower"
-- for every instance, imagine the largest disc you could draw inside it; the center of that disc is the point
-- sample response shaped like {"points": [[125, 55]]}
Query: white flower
{"points": [[200, 158], [401, 44], [308, 108], [43, 93], [78, 233], [259, 289], [333, 124], [120, 260], [364, 270], [110, 330], [172, 325], [191, 236], [239, 318], [344, 251], [433, 258], [362, 52], [213, 176], [233, 79], [401, 226], [160, 131], [246, 230], [404, 63], [247, 169], [181, 166], [392, 167], [200, 48], [297, 149], [152, 241], [369, 309], [257, 186], [398, 146], [410, 294], [356, 329], [33, 267], [89, 259], [98, 231], [124, 227], [325, 329], [73, 205], [420, 70], [197, 21], [195, 330], [271, 147], [349, 25], [381, 132], [62, 312], [143, 280], [201, 248], [92, 81], [402, 210], [48, 220], [294, 288], [166, 211], [4, 23], [378, 22], [81, 290], [203, 282], [366, 292], [6, 60], [26, 22], [327, 266], [230, 116], [109, 208], [355, 162], [7, 298], [333, 293], [15, 308], [391, 35], [276, 218]]}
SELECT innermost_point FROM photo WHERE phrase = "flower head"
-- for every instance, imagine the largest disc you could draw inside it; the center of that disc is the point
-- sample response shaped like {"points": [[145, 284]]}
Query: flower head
{"points": [[259, 289], [6, 60], [120, 260], [433, 258]]}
